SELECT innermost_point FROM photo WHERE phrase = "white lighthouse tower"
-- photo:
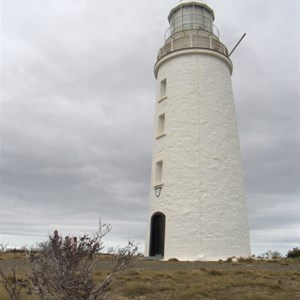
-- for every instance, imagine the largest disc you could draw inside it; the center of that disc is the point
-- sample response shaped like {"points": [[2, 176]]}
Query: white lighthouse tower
{"points": [[197, 202]]}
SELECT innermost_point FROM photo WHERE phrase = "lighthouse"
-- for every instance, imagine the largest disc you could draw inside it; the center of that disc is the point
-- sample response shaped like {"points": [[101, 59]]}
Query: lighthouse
{"points": [[197, 205]]}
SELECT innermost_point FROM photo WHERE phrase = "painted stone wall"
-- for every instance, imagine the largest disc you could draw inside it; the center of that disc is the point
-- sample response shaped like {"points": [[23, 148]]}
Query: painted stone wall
{"points": [[203, 191]]}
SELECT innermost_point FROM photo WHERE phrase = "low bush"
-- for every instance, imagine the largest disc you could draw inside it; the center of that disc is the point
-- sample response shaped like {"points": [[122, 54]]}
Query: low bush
{"points": [[293, 253], [62, 268], [173, 259]]}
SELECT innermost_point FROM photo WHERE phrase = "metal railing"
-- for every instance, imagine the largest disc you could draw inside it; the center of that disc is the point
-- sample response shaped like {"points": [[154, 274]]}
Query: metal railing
{"points": [[193, 40]]}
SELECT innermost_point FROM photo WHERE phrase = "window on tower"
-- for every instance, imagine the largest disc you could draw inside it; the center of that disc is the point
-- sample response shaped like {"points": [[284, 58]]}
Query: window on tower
{"points": [[187, 18], [163, 89], [159, 172], [161, 125]]}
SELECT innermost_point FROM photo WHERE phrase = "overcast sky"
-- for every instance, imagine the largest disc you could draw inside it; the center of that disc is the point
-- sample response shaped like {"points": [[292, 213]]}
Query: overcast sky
{"points": [[77, 115]]}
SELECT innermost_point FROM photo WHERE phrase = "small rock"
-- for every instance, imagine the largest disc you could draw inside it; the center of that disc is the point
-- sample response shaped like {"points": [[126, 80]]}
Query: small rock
{"points": [[234, 260]]}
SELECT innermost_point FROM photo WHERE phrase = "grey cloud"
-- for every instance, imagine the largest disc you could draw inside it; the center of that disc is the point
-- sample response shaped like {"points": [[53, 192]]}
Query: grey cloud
{"points": [[77, 113]]}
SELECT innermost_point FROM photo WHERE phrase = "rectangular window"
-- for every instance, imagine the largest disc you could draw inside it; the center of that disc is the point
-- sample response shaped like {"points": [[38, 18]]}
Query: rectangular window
{"points": [[178, 20], [159, 172], [163, 89], [187, 18], [161, 125]]}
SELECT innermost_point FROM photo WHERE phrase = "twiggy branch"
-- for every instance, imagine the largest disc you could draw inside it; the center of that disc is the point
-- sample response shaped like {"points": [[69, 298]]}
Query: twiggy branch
{"points": [[122, 258], [12, 285]]}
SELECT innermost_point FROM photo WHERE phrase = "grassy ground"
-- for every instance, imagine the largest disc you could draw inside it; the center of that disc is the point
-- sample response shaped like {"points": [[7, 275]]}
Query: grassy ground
{"points": [[189, 280]]}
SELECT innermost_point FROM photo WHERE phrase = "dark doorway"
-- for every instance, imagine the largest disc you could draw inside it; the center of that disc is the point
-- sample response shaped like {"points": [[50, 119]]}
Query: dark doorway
{"points": [[157, 234]]}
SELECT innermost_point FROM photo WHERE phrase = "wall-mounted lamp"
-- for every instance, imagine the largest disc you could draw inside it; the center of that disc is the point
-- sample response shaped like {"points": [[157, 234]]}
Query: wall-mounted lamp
{"points": [[158, 189]]}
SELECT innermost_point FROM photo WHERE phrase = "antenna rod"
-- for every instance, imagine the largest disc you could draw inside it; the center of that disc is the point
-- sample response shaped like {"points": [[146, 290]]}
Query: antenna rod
{"points": [[237, 44]]}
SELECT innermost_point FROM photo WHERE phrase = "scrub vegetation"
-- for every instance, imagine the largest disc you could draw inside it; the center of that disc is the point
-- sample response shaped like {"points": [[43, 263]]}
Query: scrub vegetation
{"points": [[62, 268], [150, 279]]}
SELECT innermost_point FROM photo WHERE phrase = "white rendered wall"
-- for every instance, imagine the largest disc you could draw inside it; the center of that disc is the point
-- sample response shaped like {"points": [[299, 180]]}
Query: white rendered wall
{"points": [[203, 189]]}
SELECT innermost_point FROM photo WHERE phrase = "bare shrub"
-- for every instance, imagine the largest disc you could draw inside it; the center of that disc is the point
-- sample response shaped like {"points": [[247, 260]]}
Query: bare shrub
{"points": [[122, 258], [276, 254], [62, 267], [3, 247], [12, 284]]}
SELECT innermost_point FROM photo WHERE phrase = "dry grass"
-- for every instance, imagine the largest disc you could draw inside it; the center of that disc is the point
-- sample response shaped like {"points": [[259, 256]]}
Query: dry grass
{"points": [[150, 280], [12, 255], [209, 284]]}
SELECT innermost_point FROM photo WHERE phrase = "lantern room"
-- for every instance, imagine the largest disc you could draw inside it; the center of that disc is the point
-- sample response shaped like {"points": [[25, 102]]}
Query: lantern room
{"points": [[188, 15]]}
